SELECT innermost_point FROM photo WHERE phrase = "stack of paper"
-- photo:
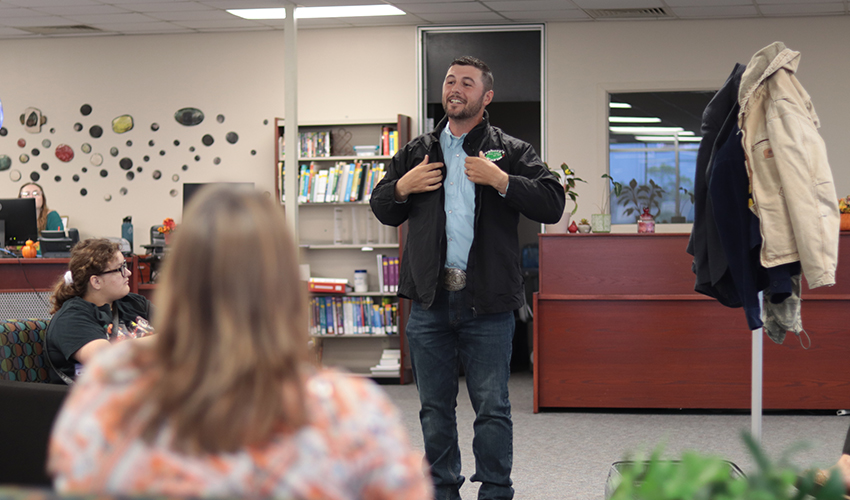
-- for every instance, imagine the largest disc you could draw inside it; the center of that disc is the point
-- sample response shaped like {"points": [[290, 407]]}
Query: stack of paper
{"points": [[389, 364]]}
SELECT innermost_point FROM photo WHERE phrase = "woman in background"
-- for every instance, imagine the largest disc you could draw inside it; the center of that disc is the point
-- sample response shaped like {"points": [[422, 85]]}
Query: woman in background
{"points": [[46, 218], [224, 402], [91, 300]]}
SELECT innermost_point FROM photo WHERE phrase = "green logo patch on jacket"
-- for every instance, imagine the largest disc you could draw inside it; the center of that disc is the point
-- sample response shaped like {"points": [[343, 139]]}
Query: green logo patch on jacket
{"points": [[494, 154]]}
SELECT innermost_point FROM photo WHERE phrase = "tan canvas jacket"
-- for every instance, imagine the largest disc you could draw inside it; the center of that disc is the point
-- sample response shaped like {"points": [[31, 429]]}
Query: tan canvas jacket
{"points": [[793, 191]]}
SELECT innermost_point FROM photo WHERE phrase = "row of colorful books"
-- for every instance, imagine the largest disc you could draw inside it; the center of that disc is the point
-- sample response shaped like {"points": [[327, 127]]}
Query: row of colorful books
{"points": [[387, 274], [389, 141], [343, 182], [353, 315], [311, 144]]}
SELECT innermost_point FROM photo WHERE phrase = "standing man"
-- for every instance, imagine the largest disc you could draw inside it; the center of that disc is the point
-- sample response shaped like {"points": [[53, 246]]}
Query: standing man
{"points": [[461, 188]]}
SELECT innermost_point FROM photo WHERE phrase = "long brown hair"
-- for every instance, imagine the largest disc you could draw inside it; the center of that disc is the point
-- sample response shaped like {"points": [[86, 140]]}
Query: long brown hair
{"points": [[231, 342], [42, 216], [88, 258]]}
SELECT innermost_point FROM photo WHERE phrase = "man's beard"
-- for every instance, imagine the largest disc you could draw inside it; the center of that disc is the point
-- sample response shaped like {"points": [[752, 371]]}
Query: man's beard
{"points": [[470, 110]]}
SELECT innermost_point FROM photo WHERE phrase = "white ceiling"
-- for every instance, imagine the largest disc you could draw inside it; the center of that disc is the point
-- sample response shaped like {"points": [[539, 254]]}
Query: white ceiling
{"points": [[38, 18]]}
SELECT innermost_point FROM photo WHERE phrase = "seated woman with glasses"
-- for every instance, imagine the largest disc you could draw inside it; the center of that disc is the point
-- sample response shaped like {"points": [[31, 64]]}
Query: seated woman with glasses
{"points": [[91, 304], [46, 218], [225, 400]]}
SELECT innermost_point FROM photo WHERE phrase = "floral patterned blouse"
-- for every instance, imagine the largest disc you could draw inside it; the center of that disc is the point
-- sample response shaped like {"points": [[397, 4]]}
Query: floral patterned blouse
{"points": [[354, 446]]}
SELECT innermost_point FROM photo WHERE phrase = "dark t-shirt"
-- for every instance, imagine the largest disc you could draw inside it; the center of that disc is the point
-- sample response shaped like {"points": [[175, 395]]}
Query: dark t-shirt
{"points": [[79, 322]]}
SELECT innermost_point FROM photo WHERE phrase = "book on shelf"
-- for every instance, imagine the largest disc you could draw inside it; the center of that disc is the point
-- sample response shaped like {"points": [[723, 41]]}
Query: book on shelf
{"points": [[349, 315], [327, 285], [311, 144]]}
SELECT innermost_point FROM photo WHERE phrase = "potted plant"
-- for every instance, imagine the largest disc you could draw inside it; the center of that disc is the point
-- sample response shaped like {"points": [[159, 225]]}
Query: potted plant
{"points": [[635, 197], [683, 204], [601, 222], [699, 476], [584, 226], [568, 180], [844, 208]]}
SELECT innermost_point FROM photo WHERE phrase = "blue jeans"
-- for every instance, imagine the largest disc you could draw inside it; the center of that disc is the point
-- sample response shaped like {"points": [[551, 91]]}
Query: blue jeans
{"points": [[438, 337]]}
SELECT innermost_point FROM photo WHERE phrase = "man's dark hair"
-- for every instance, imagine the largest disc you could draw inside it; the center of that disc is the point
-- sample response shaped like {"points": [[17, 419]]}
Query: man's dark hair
{"points": [[486, 74]]}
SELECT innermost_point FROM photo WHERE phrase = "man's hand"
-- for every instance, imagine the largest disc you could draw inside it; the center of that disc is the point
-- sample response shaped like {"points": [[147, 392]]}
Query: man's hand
{"points": [[482, 171], [421, 178]]}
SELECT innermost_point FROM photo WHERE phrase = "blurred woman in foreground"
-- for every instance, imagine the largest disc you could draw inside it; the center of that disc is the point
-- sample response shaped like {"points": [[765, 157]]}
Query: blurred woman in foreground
{"points": [[224, 401]]}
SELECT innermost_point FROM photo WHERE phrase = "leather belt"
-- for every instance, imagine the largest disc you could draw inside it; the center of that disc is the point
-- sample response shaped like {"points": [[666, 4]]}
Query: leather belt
{"points": [[454, 279]]}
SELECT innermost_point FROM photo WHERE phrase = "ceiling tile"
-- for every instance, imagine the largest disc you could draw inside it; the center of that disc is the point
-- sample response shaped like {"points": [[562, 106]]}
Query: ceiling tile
{"points": [[472, 17], [503, 6], [706, 3], [800, 2], [801, 9], [733, 11], [12, 32], [547, 15], [242, 4], [218, 23], [139, 28], [18, 12], [79, 10], [445, 7], [618, 4], [130, 17], [24, 22], [165, 6], [202, 15], [50, 3]]}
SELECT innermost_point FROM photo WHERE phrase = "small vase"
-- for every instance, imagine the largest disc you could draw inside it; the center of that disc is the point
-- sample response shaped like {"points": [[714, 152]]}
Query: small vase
{"points": [[600, 223], [845, 222], [167, 238], [646, 224], [584, 228], [573, 227]]}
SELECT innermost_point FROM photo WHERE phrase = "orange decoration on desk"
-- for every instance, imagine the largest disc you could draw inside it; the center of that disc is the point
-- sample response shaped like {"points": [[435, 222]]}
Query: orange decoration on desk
{"points": [[29, 250]]}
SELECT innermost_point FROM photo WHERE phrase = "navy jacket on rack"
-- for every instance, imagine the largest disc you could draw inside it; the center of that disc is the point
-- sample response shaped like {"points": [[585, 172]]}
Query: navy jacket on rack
{"points": [[710, 265]]}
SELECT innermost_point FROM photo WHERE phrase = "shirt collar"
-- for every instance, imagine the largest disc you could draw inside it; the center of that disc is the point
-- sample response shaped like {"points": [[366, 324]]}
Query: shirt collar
{"points": [[452, 140]]}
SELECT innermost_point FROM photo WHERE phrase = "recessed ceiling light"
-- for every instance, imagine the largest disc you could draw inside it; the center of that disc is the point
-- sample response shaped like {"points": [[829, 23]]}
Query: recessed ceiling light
{"points": [[633, 119], [664, 138], [619, 105], [320, 12], [646, 130]]}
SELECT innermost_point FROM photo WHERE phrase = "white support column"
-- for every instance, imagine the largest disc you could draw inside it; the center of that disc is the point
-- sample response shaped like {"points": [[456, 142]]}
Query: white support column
{"points": [[290, 93], [757, 381]]}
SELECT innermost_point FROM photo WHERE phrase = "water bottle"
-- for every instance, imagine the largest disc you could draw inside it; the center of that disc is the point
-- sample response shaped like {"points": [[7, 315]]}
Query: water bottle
{"points": [[127, 231]]}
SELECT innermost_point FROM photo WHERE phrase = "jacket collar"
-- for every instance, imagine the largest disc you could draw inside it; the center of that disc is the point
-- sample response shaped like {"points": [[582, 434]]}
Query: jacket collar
{"points": [[765, 63]]}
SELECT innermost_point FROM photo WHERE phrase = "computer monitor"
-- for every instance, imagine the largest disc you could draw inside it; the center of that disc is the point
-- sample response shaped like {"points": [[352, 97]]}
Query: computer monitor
{"points": [[19, 221]]}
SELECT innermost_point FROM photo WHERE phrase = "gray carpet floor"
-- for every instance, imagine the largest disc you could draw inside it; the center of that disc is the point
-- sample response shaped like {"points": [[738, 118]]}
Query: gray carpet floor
{"points": [[567, 455]]}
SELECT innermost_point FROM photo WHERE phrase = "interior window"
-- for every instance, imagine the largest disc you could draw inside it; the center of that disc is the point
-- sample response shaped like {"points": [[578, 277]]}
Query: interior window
{"points": [[653, 140]]}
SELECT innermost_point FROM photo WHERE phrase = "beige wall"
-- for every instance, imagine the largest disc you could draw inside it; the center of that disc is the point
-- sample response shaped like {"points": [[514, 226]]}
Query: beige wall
{"points": [[352, 74], [586, 60]]}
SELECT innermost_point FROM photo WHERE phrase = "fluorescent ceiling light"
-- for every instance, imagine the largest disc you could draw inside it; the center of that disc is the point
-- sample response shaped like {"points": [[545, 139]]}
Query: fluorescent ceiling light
{"points": [[347, 11], [320, 12], [664, 138], [633, 119], [619, 105], [647, 130]]}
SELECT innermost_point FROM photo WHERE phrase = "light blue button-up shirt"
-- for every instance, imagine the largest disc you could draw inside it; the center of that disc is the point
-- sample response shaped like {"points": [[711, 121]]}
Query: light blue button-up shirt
{"points": [[460, 201]]}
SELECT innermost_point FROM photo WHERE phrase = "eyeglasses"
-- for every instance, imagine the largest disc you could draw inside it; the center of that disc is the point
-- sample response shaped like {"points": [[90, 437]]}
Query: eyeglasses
{"points": [[121, 269], [30, 194]]}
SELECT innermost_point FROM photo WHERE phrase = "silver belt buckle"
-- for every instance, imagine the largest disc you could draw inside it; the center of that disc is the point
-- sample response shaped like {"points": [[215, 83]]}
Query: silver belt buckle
{"points": [[454, 279]]}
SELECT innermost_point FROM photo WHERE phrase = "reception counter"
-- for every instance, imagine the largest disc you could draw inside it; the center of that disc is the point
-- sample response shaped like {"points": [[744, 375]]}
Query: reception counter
{"points": [[25, 284], [618, 325]]}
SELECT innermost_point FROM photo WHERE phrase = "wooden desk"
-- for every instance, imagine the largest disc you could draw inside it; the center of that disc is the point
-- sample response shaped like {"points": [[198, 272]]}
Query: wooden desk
{"points": [[28, 275], [618, 325]]}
